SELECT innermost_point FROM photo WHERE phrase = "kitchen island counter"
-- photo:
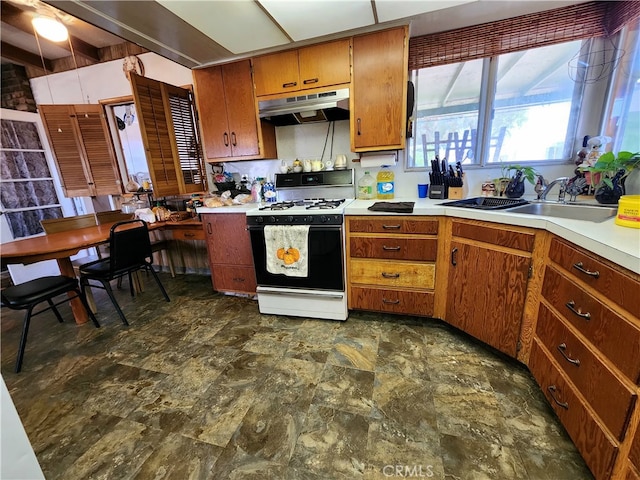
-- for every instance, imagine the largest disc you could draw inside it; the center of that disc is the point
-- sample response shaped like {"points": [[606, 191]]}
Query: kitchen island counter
{"points": [[619, 244]]}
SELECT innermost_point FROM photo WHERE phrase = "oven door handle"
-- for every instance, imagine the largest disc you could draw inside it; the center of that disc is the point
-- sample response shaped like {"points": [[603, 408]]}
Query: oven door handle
{"points": [[291, 291]]}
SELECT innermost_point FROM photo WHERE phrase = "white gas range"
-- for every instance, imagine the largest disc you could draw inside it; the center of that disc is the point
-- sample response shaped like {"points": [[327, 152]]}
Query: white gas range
{"points": [[298, 245]]}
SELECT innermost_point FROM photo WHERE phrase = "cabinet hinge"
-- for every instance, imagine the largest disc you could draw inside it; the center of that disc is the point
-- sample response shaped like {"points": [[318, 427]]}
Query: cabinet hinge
{"points": [[518, 346], [530, 271]]}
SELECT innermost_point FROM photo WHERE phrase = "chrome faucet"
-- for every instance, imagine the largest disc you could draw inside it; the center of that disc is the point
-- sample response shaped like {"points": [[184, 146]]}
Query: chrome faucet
{"points": [[563, 188]]}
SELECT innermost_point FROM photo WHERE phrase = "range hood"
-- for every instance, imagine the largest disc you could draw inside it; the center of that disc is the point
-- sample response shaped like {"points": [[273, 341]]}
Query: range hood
{"points": [[314, 107]]}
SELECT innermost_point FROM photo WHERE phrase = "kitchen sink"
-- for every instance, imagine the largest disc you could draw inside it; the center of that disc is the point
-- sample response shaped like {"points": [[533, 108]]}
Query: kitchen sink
{"points": [[591, 213]]}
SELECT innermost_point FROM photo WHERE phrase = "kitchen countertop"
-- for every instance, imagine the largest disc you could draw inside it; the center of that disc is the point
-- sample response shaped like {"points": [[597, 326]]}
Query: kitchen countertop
{"points": [[619, 244], [229, 209]]}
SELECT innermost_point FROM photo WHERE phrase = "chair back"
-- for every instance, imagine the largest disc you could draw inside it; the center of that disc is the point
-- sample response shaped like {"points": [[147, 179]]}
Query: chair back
{"points": [[112, 216], [54, 225], [129, 245]]}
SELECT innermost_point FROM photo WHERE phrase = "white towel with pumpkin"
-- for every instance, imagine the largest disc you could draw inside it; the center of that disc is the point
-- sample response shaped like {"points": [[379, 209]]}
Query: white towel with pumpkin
{"points": [[287, 249]]}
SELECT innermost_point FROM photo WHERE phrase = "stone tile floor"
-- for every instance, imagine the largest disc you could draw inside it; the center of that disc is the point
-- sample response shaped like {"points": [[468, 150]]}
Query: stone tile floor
{"points": [[205, 387]]}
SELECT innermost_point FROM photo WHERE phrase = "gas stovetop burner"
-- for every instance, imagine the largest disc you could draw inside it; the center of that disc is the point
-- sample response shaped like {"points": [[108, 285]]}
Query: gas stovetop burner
{"points": [[278, 206], [325, 204]]}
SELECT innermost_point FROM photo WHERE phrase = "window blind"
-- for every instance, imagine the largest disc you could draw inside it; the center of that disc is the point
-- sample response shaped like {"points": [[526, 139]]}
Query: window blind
{"points": [[565, 24]]}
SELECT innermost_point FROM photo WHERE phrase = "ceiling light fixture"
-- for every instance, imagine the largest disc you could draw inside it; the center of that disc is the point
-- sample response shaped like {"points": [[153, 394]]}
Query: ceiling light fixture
{"points": [[50, 28]]}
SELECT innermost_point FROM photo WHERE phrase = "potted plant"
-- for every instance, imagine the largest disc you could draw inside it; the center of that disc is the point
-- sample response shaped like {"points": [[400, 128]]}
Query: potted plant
{"points": [[608, 173], [511, 184]]}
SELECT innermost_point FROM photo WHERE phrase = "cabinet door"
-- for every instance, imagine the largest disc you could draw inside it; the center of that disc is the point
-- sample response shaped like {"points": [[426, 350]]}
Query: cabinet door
{"points": [[325, 64], [229, 247], [214, 123], [83, 151], [379, 91], [276, 73], [486, 293], [241, 109]]}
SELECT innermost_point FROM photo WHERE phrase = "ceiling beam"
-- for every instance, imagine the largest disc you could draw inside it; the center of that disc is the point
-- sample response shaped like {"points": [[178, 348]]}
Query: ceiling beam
{"points": [[24, 58], [20, 19]]}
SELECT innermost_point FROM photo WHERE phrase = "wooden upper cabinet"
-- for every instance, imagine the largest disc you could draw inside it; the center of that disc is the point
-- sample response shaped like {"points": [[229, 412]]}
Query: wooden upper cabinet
{"points": [[170, 136], [229, 120], [83, 150], [378, 100], [315, 66]]}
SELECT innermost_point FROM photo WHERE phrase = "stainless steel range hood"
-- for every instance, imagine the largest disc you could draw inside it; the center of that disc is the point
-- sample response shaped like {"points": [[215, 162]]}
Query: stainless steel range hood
{"points": [[315, 107]]}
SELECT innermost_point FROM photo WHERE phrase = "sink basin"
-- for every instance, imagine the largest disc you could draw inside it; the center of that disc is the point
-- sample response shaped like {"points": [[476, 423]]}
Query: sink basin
{"points": [[591, 213]]}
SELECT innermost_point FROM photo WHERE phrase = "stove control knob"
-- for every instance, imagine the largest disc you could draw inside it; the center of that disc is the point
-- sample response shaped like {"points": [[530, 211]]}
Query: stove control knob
{"points": [[259, 220], [272, 219], [289, 219], [323, 219], [308, 219]]}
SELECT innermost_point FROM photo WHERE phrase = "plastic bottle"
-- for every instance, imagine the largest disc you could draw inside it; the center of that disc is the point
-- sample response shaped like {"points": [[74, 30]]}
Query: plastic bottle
{"points": [[366, 187], [385, 183]]}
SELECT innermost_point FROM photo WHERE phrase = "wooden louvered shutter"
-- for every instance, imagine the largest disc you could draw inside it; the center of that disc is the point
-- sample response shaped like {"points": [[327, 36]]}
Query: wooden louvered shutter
{"points": [[154, 116], [59, 124], [187, 140], [82, 148], [98, 150]]}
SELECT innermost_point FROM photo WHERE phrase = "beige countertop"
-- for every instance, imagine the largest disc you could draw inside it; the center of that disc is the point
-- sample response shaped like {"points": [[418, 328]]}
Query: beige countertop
{"points": [[229, 209], [614, 242]]}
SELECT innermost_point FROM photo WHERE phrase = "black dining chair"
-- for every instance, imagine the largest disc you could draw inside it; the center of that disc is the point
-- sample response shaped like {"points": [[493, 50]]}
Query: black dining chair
{"points": [[130, 251], [27, 295]]}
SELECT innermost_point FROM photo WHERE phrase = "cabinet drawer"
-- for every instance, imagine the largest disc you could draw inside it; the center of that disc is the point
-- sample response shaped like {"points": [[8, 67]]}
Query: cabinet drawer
{"points": [[494, 235], [614, 285], [393, 225], [232, 278], [188, 234], [634, 453], [393, 274], [614, 336], [397, 248], [597, 448], [394, 301], [610, 398]]}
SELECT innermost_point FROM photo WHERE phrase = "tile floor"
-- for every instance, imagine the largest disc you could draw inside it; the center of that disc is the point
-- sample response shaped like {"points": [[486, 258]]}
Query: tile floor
{"points": [[204, 387]]}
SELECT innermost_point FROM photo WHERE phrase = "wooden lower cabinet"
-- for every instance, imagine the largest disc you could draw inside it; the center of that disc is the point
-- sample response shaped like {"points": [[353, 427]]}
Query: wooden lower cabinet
{"points": [[587, 341], [230, 256], [487, 282], [391, 263]]}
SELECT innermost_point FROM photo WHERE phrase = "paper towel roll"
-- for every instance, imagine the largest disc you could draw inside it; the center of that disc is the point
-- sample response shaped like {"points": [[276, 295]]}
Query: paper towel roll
{"points": [[378, 160]]}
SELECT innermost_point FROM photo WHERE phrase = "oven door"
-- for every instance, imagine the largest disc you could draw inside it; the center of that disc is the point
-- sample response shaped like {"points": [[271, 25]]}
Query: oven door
{"points": [[325, 267]]}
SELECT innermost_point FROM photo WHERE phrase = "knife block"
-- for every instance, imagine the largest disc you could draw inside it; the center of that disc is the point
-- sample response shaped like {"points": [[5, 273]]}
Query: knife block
{"points": [[457, 193]]}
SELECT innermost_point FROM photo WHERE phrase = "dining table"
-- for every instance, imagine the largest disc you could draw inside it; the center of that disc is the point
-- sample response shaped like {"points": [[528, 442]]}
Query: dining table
{"points": [[60, 246]]}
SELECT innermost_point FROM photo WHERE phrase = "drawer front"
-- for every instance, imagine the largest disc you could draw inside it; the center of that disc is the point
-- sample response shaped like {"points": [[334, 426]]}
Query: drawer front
{"points": [[597, 449], [393, 274], [228, 278], [393, 225], [494, 235], [618, 287], [614, 336], [634, 454], [396, 248], [392, 301], [188, 234], [609, 397]]}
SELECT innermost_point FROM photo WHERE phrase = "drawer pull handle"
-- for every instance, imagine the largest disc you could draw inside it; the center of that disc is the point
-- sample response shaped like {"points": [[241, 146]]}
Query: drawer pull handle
{"points": [[238, 279], [391, 227], [561, 348], [571, 305], [392, 249], [552, 392], [289, 85], [225, 139], [310, 80], [359, 123], [392, 302], [189, 234], [580, 266], [453, 257], [390, 275]]}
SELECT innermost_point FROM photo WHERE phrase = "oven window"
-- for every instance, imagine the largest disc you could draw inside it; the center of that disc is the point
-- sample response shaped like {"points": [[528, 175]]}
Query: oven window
{"points": [[325, 261]]}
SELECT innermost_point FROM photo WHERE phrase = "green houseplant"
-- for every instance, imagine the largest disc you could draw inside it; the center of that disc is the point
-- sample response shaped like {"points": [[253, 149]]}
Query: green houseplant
{"points": [[608, 173], [511, 183]]}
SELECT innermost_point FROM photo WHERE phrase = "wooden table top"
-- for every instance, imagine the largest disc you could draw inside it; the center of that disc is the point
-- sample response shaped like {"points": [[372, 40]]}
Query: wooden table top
{"points": [[65, 244]]}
